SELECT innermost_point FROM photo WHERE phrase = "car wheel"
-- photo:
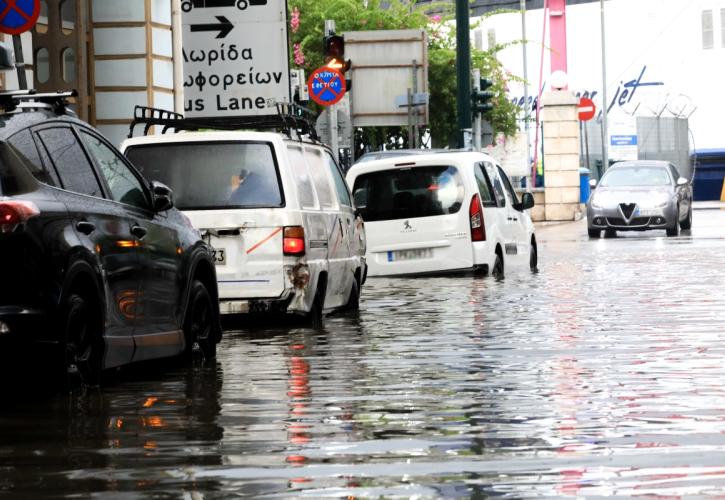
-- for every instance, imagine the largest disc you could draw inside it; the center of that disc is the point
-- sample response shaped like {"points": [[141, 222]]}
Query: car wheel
{"points": [[199, 323], [594, 233], [353, 303], [498, 269], [687, 223], [533, 257], [314, 317], [82, 344], [675, 229]]}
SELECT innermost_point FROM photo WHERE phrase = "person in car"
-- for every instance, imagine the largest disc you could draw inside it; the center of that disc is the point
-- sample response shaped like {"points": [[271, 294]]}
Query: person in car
{"points": [[253, 189]]}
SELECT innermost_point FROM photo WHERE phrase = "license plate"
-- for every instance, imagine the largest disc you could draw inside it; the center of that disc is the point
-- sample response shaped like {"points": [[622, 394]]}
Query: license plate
{"points": [[417, 253], [219, 256]]}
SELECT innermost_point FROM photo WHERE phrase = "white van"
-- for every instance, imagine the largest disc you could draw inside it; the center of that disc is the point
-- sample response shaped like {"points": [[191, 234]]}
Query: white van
{"points": [[442, 212], [276, 211]]}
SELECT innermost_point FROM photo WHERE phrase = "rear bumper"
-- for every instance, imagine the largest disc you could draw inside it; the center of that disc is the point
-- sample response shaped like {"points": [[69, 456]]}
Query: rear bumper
{"points": [[277, 305]]}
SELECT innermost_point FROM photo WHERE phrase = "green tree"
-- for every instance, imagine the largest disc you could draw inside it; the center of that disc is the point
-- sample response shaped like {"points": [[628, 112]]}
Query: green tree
{"points": [[308, 18]]}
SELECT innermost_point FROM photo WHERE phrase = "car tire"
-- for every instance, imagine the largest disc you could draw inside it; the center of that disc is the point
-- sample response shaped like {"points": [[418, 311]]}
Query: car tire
{"points": [[594, 233], [353, 303], [534, 257], [315, 317], [687, 223], [675, 229], [498, 267], [199, 324], [81, 344]]}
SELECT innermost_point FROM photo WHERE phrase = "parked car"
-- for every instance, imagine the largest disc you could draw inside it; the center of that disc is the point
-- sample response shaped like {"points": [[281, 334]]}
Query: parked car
{"points": [[277, 212], [390, 153], [98, 269], [638, 196], [442, 212]]}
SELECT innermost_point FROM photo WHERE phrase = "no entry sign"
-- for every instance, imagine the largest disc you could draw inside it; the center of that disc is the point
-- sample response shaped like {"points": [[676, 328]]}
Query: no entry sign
{"points": [[586, 109], [18, 16], [326, 86]]}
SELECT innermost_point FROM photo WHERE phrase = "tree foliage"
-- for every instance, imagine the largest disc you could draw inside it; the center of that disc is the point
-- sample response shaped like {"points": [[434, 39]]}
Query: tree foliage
{"points": [[359, 15]]}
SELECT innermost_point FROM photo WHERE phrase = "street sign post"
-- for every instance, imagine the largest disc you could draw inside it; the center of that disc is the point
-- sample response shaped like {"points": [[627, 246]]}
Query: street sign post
{"points": [[235, 54], [586, 109], [326, 86]]}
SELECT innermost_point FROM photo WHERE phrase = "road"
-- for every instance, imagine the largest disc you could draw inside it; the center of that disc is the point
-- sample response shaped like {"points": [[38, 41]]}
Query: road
{"points": [[600, 375]]}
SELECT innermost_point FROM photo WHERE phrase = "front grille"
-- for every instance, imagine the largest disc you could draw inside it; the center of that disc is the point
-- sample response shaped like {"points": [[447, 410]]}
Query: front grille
{"points": [[627, 209], [637, 221]]}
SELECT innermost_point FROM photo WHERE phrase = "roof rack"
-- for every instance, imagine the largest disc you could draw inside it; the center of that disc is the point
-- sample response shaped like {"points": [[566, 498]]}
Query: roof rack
{"points": [[289, 118], [57, 101]]}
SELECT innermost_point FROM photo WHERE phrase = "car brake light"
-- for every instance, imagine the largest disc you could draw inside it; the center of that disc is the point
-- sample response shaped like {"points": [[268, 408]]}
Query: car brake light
{"points": [[14, 213], [294, 241], [475, 212]]}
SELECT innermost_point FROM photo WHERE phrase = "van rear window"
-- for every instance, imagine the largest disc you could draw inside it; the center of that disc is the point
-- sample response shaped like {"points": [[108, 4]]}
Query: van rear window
{"points": [[408, 193], [213, 175]]}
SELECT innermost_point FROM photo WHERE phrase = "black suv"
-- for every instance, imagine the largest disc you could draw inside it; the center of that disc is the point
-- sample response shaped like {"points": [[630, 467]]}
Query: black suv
{"points": [[97, 269]]}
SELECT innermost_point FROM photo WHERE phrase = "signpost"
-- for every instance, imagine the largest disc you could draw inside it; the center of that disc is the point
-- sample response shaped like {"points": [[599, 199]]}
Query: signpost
{"points": [[17, 17], [586, 109], [236, 59], [326, 86]]}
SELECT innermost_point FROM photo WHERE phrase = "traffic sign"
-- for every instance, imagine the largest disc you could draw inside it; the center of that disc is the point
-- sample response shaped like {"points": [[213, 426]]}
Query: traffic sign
{"points": [[236, 62], [586, 109], [326, 86], [18, 16]]}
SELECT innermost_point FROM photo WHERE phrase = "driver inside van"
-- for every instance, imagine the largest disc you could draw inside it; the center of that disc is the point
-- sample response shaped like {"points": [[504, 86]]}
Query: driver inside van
{"points": [[251, 188]]}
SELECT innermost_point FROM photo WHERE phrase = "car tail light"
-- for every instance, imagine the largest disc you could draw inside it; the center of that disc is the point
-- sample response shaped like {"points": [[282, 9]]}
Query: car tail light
{"points": [[14, 213], [475, 212], [294, 241]]}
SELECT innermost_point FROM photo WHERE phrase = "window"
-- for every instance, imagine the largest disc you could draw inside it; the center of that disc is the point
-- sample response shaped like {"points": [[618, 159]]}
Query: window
{"points": [[408, 193], [343, 195], [123, 184], [320, 177], [72, 165], [484, 186], [14, 177], [675, 173], [298, 165], [68, 60], [497, 187], [213, 175], [42, 65], [707, 31], [25, 145], [508, 186]]}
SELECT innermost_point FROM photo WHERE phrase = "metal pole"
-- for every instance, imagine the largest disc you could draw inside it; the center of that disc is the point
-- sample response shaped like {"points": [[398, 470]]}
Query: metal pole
{"points": [[410, 118], [415, 108], [605, 135], [527, 107], [332, 110], [477, 119], [463, 68], [20, 62]]}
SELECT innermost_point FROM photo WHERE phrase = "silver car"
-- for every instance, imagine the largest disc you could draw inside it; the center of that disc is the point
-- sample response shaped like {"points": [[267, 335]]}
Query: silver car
{"points": [[640, 195]]}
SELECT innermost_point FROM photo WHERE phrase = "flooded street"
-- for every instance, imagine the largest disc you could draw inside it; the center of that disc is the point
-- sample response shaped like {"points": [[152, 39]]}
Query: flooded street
{"points": [[601, 375]]}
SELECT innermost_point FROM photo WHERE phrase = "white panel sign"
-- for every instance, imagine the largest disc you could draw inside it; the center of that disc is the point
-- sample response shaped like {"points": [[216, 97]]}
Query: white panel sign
{"points": [[235, 57]]}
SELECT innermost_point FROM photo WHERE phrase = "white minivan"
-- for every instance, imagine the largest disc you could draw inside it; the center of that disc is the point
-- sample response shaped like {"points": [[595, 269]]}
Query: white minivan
{"points": [[442, 212], [276, 211]]}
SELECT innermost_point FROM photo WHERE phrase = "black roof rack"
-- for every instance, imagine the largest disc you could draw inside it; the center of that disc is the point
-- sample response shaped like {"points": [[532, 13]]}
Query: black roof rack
{"points": [[57, 101], [289, 118]]}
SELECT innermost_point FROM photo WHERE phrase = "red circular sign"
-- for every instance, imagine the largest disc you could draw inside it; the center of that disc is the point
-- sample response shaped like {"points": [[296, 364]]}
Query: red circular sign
{"points": [[18, 16], [326, 86], [586, 108]]}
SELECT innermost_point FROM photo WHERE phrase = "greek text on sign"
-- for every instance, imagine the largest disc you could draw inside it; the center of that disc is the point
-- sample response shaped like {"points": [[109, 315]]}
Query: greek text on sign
{"points": [[235, 57], [326, 86]]}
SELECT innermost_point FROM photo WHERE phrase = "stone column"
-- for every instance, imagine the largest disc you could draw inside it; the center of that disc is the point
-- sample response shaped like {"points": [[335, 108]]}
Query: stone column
{"points": [[561, 156]]}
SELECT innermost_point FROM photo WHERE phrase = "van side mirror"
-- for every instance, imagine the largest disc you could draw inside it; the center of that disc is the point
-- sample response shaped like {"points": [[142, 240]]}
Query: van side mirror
{"points": [[163, 197], [593, 183]]}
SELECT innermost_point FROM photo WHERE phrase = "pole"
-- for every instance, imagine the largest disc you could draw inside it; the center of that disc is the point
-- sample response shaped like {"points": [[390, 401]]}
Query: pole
{"points": [[20, 62], [527, 106], [463, 68], [410, 118], [415, 108], [477, 119], [605, 135], [332, 110]]}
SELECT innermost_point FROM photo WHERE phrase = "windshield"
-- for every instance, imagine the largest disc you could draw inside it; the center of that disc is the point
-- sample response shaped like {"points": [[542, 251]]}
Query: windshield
{"points": [[213, 175], [636, 177], [408, 193]]}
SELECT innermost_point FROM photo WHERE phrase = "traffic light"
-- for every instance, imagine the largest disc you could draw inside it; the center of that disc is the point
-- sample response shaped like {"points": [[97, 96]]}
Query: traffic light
{"points": [[334, 52], [481, 97]]}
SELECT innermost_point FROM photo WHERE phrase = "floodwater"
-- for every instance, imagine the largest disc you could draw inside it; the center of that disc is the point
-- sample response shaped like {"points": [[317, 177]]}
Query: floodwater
{"points": [[601, 375]]}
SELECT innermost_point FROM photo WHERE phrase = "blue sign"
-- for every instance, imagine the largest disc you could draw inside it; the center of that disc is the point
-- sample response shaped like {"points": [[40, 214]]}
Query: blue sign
{"points": [[18, 16], [623, 140]]}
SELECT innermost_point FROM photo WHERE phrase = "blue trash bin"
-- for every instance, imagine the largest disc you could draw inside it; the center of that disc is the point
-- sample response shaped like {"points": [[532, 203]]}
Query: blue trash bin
{"points": [[584, 189]]}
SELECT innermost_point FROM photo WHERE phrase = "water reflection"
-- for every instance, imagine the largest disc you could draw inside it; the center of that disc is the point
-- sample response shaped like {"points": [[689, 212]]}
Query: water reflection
{"points": [[599, 376]]}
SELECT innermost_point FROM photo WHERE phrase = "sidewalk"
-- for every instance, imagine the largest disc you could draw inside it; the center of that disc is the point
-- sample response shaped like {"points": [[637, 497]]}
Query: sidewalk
{"points": [[708, 205]]}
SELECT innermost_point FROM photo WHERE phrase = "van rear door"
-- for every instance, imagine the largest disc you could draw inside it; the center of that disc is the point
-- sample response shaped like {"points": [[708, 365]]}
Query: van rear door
{"points": [[416, 219], [231, 191]]}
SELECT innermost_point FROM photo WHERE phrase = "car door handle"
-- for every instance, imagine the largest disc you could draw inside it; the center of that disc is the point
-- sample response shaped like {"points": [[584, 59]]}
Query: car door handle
{"points": [[85, 227], [139, 231]]}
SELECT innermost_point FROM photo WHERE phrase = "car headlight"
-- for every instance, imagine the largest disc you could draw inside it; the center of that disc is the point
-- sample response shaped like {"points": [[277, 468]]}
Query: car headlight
{"points": [[657, 202]]}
